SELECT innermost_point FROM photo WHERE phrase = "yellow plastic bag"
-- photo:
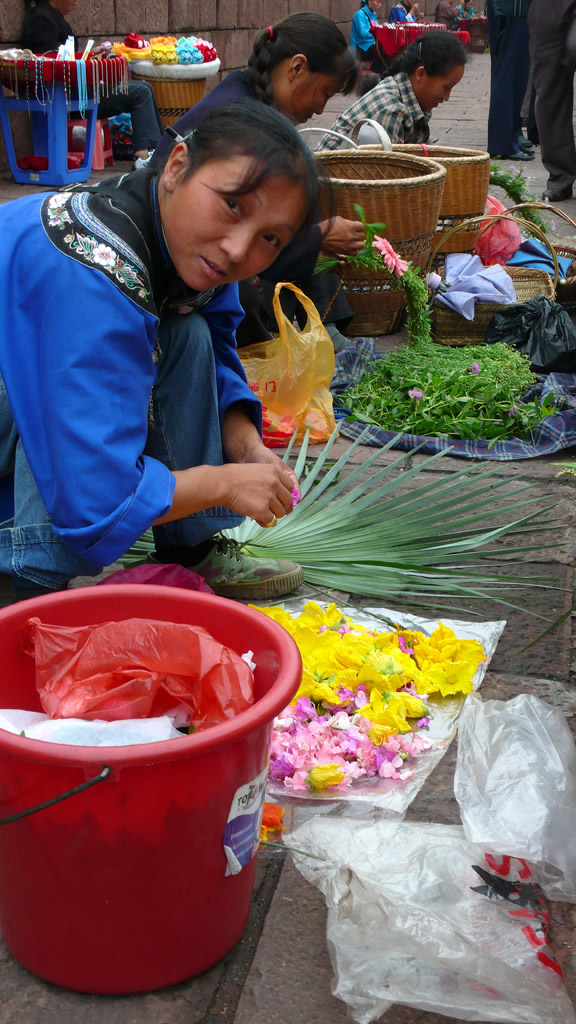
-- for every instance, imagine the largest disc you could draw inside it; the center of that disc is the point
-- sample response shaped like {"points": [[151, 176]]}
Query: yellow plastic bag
{"points": [[291, 375]]}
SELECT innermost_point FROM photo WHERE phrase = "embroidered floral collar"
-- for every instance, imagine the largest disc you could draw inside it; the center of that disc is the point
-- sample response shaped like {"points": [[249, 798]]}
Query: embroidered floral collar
{"points": [[115, 228]]}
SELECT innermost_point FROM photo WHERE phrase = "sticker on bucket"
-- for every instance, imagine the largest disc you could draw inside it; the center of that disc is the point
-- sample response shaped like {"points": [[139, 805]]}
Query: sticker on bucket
{"points": [[242, 832]]}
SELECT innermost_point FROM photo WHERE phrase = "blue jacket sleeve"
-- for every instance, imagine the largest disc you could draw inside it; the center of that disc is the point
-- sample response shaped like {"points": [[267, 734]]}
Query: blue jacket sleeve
{"points": [[81, 405], [361, 37], [223, 314], [397, 14]]}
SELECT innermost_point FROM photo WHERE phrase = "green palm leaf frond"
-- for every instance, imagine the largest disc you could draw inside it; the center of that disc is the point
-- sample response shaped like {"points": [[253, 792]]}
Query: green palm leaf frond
{"points": [[393, 533], [378, 537]]}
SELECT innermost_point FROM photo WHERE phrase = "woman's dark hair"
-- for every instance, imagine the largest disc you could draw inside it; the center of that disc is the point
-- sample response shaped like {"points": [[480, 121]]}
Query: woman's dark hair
{"points": [[437, 52], [270, 140], [317, 37]]}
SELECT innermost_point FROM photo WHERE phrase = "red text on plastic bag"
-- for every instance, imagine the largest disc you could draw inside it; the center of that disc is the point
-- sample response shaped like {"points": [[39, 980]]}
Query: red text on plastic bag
{"points": [[136, 668]]}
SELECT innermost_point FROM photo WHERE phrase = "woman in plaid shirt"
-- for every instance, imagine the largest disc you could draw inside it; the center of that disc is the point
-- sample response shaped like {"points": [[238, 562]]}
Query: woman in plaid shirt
{"points": [[421, 78]]}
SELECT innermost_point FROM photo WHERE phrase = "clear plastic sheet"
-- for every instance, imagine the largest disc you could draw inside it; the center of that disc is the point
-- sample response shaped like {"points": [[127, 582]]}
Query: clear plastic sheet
{"points": [[515, 783], [412, 920], [391, 797]]}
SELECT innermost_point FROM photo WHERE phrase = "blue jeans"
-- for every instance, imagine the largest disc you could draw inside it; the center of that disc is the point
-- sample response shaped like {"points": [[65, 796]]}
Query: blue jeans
{"points": [[140, 103], [186, 432]]}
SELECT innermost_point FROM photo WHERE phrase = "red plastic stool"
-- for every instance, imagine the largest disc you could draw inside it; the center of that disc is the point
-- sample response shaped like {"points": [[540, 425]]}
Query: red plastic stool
{"points": [[102, 142]]}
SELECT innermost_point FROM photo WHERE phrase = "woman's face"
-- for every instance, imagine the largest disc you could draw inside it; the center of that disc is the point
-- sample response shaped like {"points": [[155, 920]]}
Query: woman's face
{"points": [[65, 7], [298, 92], [432, 90], [216, 236], [375, 5]]}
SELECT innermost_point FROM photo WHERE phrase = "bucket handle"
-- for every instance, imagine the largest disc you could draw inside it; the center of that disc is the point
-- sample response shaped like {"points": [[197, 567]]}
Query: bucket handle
{"points": [[106, 771]]}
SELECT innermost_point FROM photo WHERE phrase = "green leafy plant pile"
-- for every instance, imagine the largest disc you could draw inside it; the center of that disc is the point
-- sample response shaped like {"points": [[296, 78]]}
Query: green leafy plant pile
{"points": [[514, 185], [430, 390]]}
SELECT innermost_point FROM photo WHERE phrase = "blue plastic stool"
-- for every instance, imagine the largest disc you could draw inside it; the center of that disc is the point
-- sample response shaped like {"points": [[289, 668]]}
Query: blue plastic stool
{"points": [[50, 135]]}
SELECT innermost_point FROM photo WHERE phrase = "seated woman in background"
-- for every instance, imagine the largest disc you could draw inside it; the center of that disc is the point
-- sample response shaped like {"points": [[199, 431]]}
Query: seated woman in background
{"points": [[361, 39], [446, 14], [466, 9], [404, 10], [296, 66], [421, 78], [45, 29]]}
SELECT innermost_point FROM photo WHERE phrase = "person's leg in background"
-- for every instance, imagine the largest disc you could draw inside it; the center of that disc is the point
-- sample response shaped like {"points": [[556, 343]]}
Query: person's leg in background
{"points": [[140, 103], [509, 71], [553, 74]]}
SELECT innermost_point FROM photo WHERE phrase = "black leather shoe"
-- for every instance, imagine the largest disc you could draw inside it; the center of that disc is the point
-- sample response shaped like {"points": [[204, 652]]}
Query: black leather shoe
{"points": [[526, 146], [518, 155], [557, 195]]}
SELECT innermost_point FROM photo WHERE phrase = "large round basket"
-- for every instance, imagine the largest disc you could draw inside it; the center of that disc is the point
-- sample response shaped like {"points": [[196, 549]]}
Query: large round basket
{"points": [[177, 87], [450, 328], [402, 191], [175, 96], [465, 191], [478, 29], [566, 287]]}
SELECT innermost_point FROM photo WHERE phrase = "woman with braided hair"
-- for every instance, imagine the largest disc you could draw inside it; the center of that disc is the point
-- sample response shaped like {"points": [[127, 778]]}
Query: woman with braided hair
{"points": [[295, 66]]}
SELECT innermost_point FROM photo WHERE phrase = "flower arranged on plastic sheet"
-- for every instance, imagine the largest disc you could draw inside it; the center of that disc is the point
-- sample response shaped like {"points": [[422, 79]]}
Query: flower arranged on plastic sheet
{"points": [[362, 704]]}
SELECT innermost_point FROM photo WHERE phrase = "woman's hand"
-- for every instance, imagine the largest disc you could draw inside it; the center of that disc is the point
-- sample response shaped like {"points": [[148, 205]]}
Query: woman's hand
{"points": [[342, 237], [243, 446], [255, 483]]}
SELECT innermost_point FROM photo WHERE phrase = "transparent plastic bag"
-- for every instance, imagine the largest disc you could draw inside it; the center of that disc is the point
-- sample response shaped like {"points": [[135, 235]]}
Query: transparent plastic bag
{"points": [[291, 375], [137, 668], [418, 916], [515, 783], [498, 240]]}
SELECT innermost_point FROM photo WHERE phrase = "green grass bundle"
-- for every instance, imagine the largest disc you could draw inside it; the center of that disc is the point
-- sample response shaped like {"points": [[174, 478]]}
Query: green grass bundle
{"points": [[473, 392]]}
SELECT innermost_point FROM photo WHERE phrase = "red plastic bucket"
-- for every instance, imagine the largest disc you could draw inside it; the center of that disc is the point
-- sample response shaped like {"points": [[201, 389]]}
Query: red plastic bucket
{"points": [[123, 887]]}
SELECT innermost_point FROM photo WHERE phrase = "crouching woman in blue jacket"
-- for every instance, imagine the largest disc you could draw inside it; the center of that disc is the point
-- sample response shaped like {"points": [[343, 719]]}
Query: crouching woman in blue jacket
{"points": [[123, 403]]}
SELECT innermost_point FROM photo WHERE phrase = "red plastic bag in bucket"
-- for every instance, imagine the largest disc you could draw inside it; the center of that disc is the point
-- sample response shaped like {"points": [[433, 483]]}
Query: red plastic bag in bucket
{"points": [[137, 668]]}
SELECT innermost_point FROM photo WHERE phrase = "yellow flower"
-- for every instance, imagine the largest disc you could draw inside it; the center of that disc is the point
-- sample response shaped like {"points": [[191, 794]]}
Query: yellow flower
{"points": [[324, 775], [317, 689], [413, 706], [385, 712], [451, 677]]}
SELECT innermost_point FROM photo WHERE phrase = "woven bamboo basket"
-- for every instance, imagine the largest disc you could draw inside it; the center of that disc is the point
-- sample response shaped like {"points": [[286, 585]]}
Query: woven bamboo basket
{"points": [[566, 287], [452, 329], [478, 29], [402, 191], [175, 96], [465, 191]]}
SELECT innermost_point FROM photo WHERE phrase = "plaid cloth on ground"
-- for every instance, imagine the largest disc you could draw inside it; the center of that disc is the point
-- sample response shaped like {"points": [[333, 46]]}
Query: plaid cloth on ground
{"points": [[551, 435]]}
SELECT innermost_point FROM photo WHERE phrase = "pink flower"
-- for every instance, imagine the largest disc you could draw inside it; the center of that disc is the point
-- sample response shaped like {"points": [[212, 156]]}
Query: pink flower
{"points": [[402, 643], [474, 368], [512, 411], [395, 264], [416, 394]]}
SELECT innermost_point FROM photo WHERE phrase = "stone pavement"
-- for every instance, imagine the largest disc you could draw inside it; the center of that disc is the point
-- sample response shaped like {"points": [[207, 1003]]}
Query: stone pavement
{"points": [[279, 973]]}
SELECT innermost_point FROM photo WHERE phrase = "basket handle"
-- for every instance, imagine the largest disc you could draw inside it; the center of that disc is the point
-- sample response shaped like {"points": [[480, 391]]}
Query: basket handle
{"points": [[328, 131], [384, 138], [533, 228], [102, 775], [543, 206]]}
